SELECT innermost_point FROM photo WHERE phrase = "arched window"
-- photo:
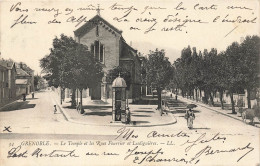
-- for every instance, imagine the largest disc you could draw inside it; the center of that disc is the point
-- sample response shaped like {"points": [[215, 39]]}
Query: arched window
{"points": [[98, 50]]}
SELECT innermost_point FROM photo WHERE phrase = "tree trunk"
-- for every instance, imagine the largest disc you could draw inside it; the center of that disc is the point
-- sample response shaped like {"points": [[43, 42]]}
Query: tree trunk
{"points": [[81, 96], [248, 98], [211, 99], [81, 104], [196, 94], [77, 96], [73, 100], [206, 97], [200, 94], [60, 95], [159, 98], [221, 99], [232, 103], [182, 93], [176, 94]]}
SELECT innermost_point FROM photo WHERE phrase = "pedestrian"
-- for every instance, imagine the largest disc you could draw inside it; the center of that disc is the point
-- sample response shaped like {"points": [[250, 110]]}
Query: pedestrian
{"points": [[128, 115], [33, 95], [78, 107], [190, 116], [55, 109], [24, 97]]}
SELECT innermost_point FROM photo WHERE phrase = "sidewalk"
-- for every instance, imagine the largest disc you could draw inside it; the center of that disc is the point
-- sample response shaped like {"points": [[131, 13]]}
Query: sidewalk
{"points": [[13, 101], [219, 110], [99, 113]]}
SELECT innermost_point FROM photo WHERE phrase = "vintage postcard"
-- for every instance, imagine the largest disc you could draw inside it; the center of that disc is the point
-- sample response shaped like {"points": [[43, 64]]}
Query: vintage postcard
{"points": [[129, 82]]}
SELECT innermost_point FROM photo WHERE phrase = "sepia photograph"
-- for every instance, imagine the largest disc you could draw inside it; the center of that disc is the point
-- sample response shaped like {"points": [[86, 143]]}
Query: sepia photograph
{"points": [[124, 83]]}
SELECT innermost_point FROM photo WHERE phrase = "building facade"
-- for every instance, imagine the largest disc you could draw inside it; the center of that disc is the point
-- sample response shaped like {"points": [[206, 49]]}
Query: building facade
{"points": [[24, 80], [108, 46], [7, 82]]}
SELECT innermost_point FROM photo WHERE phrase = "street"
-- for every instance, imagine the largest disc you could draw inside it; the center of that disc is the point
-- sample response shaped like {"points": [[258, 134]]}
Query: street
{"points": [[35, 119], [37, 116]]}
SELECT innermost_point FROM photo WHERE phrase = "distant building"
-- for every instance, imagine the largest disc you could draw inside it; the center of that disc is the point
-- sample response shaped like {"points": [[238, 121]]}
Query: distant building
{"points": [[107, 44], [7, 81], [24, 80]]}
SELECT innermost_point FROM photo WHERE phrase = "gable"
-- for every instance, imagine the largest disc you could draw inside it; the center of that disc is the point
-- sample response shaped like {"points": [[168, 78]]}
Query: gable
{"points": [[92, 23], [127, 52]]}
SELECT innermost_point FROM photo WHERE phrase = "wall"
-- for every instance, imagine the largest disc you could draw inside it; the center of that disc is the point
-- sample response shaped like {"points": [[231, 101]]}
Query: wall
{"points": [[4, 90], [109, 40]]}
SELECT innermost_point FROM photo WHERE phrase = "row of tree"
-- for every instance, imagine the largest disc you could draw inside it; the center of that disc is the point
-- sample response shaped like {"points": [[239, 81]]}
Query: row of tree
{"points": [[234, 70], [70, 65]]}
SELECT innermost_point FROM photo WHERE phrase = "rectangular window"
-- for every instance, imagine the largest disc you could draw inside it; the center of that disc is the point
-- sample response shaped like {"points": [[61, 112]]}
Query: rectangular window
{"points": [[97, 49], [92, 49], [101, 58]]}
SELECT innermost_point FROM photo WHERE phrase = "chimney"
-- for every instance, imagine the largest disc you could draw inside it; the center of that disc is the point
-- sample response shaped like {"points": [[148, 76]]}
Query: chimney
{"points": [[21, 65]]}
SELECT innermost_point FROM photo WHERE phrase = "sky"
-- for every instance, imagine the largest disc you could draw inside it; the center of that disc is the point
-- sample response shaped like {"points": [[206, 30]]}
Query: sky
{"points": [[30, 42]]}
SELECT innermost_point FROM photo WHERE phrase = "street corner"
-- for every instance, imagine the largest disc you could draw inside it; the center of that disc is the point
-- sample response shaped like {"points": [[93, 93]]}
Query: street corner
{"points": [[141, 116]]}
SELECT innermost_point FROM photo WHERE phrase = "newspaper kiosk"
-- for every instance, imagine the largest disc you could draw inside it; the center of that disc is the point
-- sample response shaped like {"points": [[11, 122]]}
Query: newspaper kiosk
{"points": [[119, 100]]}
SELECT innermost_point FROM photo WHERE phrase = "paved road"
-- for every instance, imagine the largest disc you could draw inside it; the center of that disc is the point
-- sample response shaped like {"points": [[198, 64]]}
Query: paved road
{"points": [[36, 116], [34, 119]]}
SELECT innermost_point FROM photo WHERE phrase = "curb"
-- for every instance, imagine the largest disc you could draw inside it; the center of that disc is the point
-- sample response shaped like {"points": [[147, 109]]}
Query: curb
{"points": [[202, 105], [69, 119]]}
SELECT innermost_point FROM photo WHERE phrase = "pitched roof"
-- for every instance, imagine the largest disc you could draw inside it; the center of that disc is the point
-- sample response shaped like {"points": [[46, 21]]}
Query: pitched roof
{"points": [[7, 63], [127, 51], [21, 72], [92, 23]]}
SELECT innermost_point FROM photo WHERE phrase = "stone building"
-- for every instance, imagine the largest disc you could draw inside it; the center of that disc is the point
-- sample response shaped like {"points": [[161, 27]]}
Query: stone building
{"points": [[7, 81], [107, 44], [24, 80]]}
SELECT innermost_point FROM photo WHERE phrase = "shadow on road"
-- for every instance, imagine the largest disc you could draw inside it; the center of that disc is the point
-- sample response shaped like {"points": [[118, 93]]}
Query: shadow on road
{"points": [[141, 115], [232, 113], [91, 107], [32, 99], [146, 108], [183, 111], [143, 111], [139, 122], [18, 106], [204, 128], [98, 113]]}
